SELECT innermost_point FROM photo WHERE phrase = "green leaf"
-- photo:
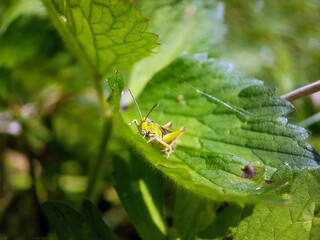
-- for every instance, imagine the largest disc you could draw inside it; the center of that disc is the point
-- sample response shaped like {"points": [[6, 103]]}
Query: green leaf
{"points": [[37, 36], [116, 83], [104, 35], [301, 220], [192, 214], [93, 217], [140, 189], [227, 218], [219, 142], [70, 224], [183, 26], [11, 10]]}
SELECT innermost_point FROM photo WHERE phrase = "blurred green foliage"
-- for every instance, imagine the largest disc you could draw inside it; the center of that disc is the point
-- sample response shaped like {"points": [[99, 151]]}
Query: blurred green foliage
{"points": [[278, 42], [50, 119]]}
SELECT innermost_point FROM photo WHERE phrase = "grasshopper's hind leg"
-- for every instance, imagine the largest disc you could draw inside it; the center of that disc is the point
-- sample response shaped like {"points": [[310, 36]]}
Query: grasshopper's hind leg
{"points": [[164, 144], [172, 138], [168, 125]]}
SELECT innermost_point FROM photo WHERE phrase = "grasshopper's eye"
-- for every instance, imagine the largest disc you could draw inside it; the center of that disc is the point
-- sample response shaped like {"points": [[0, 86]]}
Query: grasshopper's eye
{"points": [[149, 122]]}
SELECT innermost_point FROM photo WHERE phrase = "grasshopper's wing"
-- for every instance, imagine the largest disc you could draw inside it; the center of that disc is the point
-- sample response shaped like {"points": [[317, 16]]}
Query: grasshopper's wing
{"points": [[164, 131]]}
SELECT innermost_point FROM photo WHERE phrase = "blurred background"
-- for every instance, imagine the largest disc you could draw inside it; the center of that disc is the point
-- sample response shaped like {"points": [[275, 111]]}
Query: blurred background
{"points": [[50, 117]]}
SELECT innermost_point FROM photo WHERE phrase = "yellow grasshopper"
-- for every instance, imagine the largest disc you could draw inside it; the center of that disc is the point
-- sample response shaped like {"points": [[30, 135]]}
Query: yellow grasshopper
{"points": [[153, 132]]}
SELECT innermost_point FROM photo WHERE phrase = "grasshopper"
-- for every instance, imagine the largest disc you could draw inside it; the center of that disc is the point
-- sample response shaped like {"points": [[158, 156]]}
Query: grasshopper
{"points": [[153, 132]]}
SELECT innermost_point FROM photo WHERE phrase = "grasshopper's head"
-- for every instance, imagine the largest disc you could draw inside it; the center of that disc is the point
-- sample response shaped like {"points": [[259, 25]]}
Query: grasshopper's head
{"points": [[145, 126]]}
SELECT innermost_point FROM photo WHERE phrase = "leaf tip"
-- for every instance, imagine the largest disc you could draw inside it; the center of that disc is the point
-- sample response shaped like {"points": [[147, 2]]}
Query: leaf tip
{"points": [[116, 82]]}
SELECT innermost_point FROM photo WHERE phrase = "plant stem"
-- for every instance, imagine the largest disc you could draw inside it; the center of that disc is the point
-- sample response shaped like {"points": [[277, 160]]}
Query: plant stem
{"points": [[101, 98], [61, 24], [310, 120], [97, 165], [302, 92]]}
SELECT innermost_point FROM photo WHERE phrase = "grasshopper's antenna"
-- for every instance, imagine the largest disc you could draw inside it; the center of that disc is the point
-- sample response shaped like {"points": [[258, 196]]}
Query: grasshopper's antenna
{"points": [[136, 103], [151, 110]]}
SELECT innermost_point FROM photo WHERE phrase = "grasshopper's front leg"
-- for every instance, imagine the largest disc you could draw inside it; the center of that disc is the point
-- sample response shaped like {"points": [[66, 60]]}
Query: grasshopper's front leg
{"points": [[135, 121]]}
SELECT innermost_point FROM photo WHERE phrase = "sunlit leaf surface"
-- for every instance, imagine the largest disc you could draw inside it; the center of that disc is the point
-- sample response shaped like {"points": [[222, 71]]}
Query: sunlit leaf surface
{"points": [[301, 220], [141, 192], [106, 35], [221, 142]]}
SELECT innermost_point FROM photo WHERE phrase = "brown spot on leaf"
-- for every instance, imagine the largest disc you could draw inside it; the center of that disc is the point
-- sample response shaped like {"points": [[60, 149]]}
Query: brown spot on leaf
{"points": [[269, 181], [248, 172]]}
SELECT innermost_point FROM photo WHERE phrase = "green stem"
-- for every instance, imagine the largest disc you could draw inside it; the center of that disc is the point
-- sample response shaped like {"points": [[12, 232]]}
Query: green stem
{"points": [[102, 100], [61, 25], [97, 165], [96, 168]]}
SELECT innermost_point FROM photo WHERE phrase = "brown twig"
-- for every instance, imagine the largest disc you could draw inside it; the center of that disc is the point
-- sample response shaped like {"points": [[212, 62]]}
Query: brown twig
{"points": [[302, 92]]}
